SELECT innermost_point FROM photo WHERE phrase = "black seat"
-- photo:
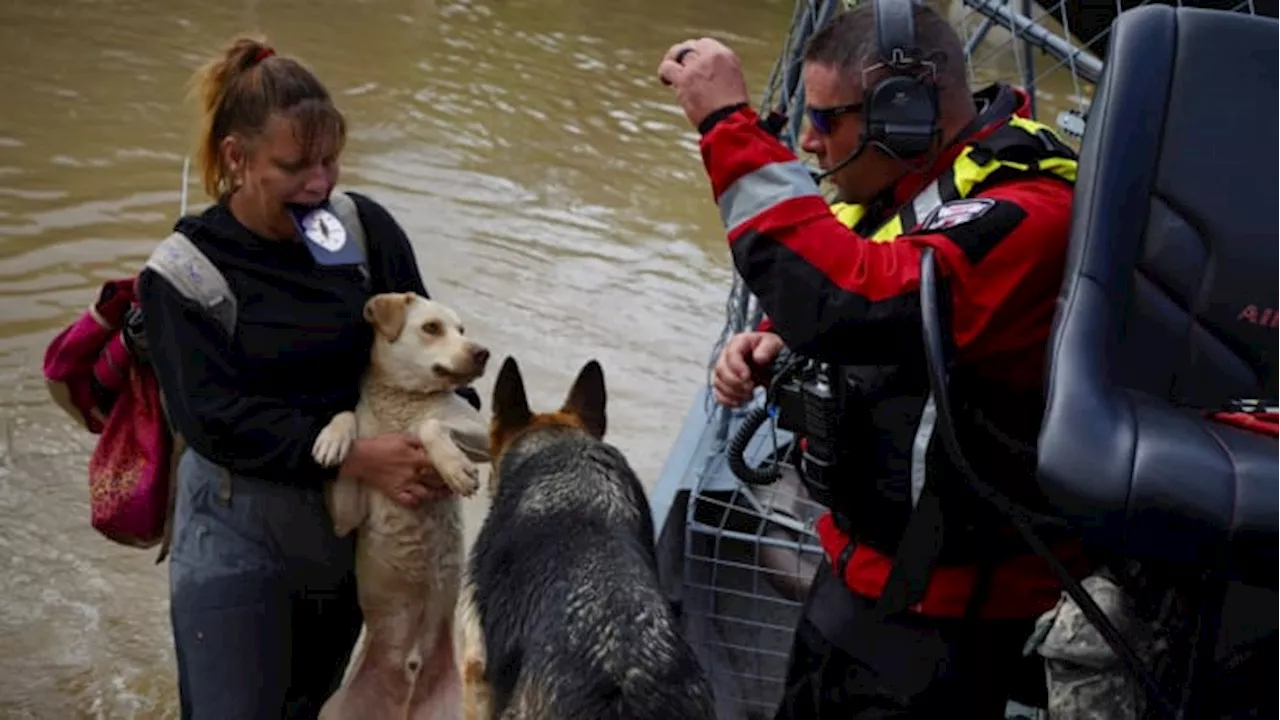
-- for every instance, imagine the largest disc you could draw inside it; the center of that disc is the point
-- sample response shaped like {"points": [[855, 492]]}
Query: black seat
{"points": [[1168, 308]]}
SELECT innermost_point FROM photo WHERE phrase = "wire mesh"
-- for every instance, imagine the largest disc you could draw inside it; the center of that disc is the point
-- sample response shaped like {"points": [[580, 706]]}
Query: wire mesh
{"points": [[751, 551]]}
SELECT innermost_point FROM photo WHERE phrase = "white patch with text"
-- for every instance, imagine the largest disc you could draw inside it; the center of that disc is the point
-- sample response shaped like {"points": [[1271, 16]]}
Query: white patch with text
{"points": [[957, 212]]}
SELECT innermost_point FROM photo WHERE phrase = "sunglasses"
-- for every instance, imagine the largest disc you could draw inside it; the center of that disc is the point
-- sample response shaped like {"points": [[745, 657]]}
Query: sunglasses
{"points": [[823, 119]]}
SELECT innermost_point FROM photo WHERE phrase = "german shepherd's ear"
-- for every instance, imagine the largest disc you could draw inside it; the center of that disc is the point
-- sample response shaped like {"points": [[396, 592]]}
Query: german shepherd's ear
{"points": [[511, 411], [387, 311], [586, 399]]}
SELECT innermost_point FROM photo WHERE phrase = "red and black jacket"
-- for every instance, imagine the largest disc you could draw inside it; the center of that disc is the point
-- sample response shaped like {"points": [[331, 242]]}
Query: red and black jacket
{"points": [[833, 295]]}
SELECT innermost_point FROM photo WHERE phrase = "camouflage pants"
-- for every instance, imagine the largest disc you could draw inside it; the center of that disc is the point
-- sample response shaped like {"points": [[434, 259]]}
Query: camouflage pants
{"points": [[1085, 678]]}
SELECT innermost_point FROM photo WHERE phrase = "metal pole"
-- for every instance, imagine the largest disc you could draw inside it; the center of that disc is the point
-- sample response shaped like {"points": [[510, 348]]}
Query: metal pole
{"points": [[186, 173], [1085, 63], [1029, 62]]}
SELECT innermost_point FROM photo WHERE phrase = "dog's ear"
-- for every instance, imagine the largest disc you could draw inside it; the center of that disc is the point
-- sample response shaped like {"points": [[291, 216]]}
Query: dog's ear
{"points": [[511, 411], [586, 399], [387, 312]]}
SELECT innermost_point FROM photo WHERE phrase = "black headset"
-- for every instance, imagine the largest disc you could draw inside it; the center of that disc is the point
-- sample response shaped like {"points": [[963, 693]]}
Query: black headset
{"points": [[901, 111]]}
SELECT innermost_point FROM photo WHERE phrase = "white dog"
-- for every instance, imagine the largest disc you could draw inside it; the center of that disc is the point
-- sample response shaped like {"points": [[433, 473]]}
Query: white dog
{"points": [[409, 560]]}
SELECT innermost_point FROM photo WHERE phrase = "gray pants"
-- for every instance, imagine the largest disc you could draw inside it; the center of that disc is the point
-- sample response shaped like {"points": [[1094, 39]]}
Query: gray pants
{"points": [[262, 596]]}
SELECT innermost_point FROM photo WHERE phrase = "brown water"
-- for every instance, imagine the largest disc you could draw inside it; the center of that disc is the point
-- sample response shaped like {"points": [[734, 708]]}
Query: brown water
{"points": [[552, 189]]}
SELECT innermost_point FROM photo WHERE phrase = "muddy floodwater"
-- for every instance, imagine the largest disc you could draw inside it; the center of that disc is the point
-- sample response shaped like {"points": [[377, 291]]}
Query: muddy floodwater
{"points": [[551, 187]]}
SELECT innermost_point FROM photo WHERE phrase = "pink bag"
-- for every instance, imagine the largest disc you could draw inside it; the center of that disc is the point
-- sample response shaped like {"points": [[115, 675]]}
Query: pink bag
{"points": [[129, 471], [93, 377], [89, 347]]}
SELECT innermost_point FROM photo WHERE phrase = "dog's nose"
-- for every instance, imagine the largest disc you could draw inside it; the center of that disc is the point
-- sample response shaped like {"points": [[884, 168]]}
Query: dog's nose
{"points": [[480, 356]]}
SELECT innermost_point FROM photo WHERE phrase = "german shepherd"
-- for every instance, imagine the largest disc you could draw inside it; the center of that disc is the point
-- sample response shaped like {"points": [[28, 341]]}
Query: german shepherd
{"points": [[564, 576]]}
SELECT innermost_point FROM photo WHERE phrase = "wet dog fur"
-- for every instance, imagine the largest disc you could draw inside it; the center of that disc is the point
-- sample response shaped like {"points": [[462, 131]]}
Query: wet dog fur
{"points": [[409, 560], [564, 578]]}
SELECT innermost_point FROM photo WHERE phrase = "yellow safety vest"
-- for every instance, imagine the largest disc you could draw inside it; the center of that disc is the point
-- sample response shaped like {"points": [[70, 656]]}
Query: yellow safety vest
{"points": [[1019, 147]]}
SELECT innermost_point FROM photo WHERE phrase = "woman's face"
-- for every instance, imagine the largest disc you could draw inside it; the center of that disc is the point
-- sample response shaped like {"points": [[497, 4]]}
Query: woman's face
{"points": [[279, 167]]}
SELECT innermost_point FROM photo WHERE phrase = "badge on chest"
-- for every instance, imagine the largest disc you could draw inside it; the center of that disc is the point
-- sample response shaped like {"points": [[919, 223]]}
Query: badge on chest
{"points": [[326, 237]]}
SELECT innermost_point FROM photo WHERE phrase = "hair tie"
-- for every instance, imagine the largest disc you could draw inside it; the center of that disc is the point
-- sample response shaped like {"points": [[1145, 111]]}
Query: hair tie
{"points": [[263, 54]]}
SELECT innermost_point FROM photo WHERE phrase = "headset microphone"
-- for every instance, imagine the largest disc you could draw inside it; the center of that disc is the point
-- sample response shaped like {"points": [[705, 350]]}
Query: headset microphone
{"points": [[900, 113]]}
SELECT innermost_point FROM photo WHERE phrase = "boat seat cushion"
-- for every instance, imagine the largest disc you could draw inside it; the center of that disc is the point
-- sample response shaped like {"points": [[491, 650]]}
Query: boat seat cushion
{"points": [[1167, 310]]}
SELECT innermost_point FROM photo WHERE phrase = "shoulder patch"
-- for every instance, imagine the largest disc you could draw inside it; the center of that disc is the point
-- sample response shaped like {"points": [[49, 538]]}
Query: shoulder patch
{"points": [[956, 212], [975, 225]]}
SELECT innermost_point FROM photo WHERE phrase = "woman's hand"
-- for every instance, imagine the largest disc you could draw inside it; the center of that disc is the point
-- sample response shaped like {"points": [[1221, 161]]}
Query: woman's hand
{"points": [[396, 465]]}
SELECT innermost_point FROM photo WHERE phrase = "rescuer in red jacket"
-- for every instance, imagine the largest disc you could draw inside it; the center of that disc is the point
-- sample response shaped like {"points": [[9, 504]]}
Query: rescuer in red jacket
{"points": [[990, 190]]}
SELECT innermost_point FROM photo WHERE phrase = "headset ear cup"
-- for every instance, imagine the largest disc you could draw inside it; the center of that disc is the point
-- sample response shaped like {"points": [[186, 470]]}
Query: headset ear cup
{"points": [[901, 116]]}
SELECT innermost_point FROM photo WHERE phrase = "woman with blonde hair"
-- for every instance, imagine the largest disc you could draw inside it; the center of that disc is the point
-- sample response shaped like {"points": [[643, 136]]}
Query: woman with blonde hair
{"points": [[263, 599]]}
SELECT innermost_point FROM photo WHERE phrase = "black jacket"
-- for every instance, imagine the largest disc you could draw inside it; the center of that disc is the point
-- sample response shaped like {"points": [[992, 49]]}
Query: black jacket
{"points": [[255, 402]]}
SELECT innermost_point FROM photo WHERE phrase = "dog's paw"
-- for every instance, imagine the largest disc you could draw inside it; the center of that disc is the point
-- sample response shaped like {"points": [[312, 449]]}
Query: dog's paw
{"points": [[335, 440], [460, 474]]}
